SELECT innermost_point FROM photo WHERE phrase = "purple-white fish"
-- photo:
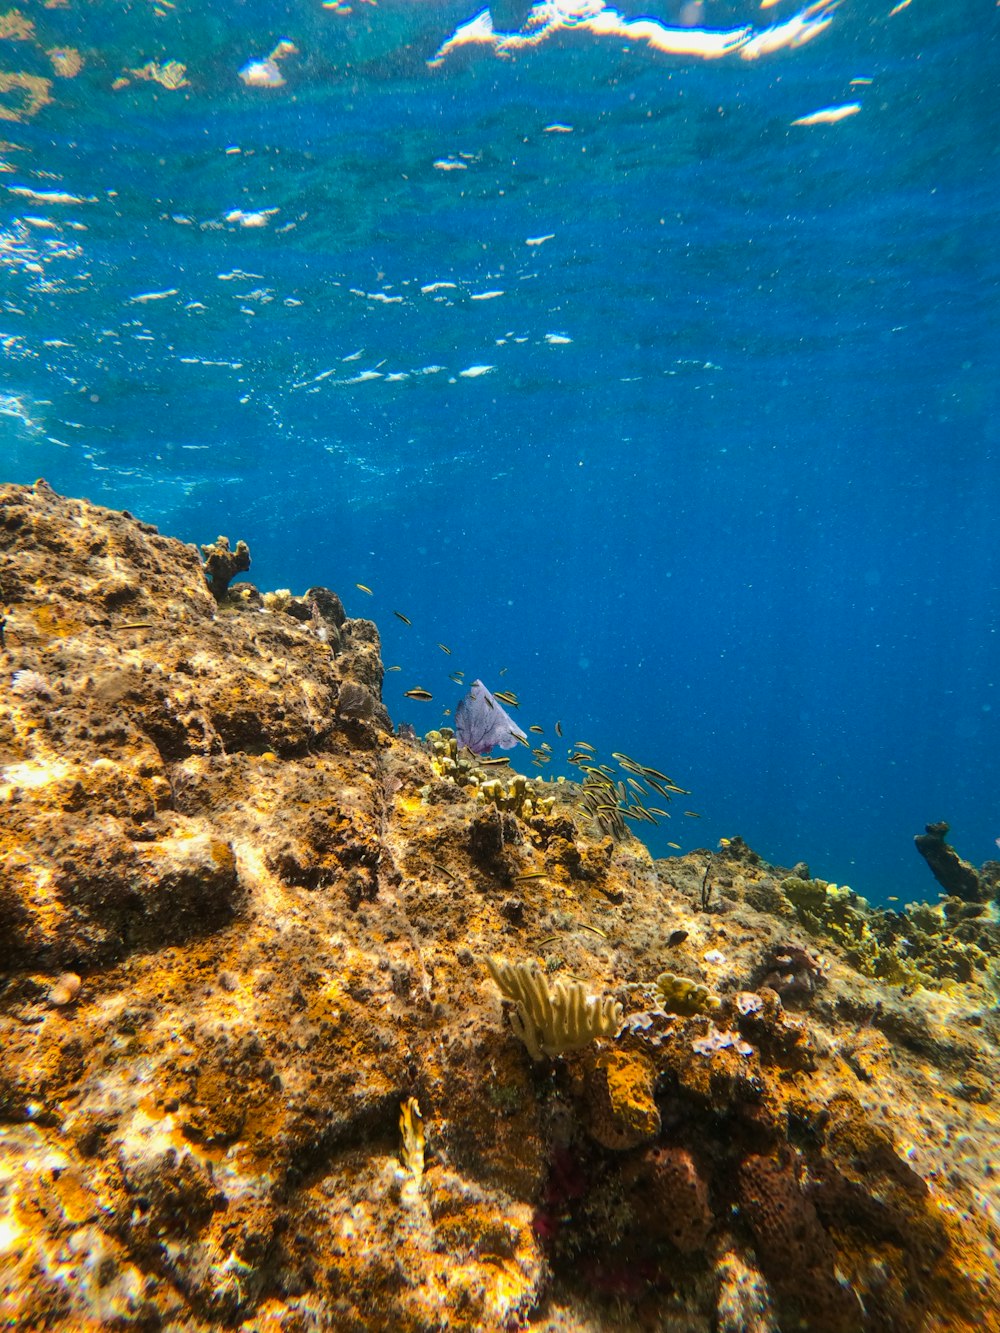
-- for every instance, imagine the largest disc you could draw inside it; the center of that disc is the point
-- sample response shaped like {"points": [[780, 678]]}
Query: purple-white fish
{"points": [[481, 724]]}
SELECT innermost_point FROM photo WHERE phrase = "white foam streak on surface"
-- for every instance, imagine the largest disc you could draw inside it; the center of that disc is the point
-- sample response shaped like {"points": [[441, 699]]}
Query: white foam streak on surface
{"points": [[376, 296], [478, 31], [829, 115], [50, 196], [557, 16], [153, 296], [796, 31], [703, 42], [256, 219]]}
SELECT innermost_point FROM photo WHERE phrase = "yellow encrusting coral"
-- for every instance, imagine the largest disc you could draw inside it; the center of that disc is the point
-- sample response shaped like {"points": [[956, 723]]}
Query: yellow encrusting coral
{"points": [[621, 1098], [681, 995]]}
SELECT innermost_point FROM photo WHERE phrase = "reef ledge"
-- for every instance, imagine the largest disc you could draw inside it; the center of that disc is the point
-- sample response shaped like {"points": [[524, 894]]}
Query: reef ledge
{"points": [[298, 1032]]}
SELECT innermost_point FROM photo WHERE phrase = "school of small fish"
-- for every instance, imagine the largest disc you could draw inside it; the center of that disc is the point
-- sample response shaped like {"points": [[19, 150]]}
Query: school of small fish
{"points": [[610, 794]]}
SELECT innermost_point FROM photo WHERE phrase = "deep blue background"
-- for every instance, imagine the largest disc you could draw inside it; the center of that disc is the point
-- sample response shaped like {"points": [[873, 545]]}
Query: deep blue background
{"points": [[744, 526]]}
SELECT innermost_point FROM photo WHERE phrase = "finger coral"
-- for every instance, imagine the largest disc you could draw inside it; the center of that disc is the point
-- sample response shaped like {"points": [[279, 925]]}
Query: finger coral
{"points": [[681, 995]]}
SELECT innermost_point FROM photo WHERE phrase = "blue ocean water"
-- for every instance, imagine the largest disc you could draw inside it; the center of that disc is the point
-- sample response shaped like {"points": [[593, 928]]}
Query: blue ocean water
{"points": [[675, 417]]}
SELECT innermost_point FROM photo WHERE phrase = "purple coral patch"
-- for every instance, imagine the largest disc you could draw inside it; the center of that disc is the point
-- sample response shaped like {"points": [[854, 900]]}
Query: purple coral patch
{"points": [[481, 724]]}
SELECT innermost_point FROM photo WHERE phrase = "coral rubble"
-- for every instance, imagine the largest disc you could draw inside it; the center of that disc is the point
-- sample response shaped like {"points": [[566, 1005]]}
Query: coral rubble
{"points": [[255, 1072]]}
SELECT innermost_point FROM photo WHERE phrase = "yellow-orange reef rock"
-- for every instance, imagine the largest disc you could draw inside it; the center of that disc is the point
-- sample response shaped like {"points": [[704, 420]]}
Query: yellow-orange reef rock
{"points": [[241, 923]]}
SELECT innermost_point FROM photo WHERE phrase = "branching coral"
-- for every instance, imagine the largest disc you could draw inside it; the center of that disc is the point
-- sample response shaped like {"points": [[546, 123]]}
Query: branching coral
{"points": [[553, 1021], [929, 946]]}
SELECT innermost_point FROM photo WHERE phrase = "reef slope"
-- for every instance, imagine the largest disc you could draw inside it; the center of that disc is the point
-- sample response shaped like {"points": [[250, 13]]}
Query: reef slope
{"points": [[242, 924]]}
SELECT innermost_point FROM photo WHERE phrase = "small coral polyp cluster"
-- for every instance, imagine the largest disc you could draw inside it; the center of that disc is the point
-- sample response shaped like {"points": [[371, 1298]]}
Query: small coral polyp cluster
{"points": [[448, 761], [521, 796]]}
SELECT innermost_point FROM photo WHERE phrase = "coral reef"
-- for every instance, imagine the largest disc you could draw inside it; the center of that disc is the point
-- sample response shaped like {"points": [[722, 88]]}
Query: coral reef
{"points": [[519, 795], [932, 945], [255, 1075], [522, 795]]}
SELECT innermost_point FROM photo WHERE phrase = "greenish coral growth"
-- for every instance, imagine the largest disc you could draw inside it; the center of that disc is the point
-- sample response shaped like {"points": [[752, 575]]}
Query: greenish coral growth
{"points": [[930, 945], [681, 995], [836, 912]]}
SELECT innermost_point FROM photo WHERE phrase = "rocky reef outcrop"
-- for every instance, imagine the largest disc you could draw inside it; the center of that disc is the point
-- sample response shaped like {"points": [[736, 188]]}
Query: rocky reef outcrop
{"points": [[255, 1072]]}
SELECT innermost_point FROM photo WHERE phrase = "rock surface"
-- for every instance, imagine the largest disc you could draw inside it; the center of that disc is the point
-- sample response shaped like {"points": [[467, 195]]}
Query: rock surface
{"points": [[241, 925]]}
